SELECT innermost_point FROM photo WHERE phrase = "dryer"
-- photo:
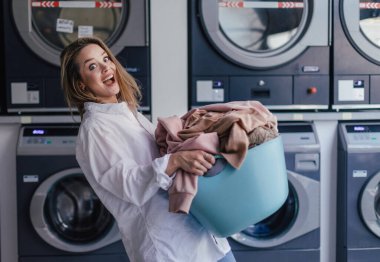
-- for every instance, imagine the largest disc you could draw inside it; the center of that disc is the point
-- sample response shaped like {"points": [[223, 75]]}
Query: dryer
{"points": [[293, 232], [59, 217], [274, 52], [356, 54], [37, 31], [358, 219]]}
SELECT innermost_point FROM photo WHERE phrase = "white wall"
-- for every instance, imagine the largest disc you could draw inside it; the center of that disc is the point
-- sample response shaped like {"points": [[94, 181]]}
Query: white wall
{"points": [[328, 138], [8, 213], [169, 57]]}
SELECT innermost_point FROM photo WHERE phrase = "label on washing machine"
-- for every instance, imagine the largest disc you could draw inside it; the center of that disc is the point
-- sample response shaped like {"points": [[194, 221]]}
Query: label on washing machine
{"points": [[85, 31], [359, 173], [21, 94], [351, 90], [210, 91], [30, 178], [65, 26]]}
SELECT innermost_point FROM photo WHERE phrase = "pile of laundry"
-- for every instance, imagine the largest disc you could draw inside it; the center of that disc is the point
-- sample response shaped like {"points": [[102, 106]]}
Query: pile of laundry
{"points": [[227, 129]]}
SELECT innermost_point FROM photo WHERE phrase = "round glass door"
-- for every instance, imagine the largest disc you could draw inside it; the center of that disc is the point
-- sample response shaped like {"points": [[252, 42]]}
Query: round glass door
{"points": [[58, 23], [260, 26], [370, 21], [279, 222], [258, 33], [361, 22], [67, 214], [48, 26], [74, 212], [298, 215]]}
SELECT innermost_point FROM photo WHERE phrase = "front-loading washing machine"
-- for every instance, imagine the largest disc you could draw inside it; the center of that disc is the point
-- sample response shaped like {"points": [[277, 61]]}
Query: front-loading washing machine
{"points": [[37, 31], [293, 232], [356, 54], [358, 206], [59, 217], [274, 52]]}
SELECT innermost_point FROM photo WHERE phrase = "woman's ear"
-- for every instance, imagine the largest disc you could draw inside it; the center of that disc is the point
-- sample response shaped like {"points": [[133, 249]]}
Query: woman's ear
{"points": [[82, 85]]}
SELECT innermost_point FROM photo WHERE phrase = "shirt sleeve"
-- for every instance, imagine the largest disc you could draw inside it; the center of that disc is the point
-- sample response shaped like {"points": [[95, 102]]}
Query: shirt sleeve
{"points": [[100, 155]]}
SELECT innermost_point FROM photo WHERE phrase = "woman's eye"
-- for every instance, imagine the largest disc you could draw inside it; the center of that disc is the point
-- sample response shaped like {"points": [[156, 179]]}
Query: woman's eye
{"points": [[92, 67], [106, 59]]}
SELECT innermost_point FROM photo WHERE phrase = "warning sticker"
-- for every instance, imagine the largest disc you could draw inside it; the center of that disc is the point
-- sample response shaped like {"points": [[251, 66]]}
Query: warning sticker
{"points": [[65, 25], [85, 31]]}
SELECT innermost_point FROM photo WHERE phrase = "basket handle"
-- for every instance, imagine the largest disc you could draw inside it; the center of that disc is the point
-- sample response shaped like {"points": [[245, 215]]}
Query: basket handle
{"points": [[220, 164]]}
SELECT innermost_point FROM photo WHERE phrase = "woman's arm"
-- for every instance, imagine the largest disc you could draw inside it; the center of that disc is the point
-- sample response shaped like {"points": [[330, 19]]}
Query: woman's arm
{"points": [[114, 167]]}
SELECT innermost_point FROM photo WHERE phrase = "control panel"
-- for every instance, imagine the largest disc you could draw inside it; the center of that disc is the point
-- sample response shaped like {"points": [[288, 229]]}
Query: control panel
{"points": [[47, 139], [363, 134]]}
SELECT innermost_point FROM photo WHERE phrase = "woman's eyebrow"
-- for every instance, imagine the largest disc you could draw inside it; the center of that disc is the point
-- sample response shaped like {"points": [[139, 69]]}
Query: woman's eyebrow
{"points": [[87, 60]]}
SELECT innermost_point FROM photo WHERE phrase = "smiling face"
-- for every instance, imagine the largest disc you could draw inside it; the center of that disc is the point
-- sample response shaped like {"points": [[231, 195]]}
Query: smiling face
{"points": [[98, 73]]}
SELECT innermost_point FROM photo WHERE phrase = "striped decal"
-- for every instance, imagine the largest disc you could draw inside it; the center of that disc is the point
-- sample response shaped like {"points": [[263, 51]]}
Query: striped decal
{"points": [[243, 4], [76, 4]]}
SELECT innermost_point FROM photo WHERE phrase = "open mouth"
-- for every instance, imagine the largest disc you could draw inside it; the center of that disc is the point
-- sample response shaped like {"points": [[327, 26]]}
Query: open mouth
{"points": [[109, 80]]}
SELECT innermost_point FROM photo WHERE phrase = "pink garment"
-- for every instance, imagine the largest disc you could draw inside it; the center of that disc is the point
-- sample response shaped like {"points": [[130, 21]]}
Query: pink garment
{"points": [[217, 128]]}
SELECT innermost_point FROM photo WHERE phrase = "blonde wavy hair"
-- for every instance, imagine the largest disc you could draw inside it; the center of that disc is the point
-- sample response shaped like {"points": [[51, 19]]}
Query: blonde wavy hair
{"points": [[70, 77]]}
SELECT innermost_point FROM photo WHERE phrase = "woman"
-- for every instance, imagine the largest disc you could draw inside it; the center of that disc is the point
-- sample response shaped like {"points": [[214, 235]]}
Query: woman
{"points": [[117, 152]]}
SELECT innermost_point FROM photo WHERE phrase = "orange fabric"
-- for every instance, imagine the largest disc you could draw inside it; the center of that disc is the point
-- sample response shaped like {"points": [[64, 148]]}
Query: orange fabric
{"points": [[217, 128]]}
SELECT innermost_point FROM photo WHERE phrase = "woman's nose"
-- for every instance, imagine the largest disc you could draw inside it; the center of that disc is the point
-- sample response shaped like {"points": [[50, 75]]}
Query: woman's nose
{"points": [[105, 67]]}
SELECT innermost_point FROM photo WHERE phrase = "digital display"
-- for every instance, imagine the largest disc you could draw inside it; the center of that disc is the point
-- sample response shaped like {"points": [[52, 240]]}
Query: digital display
{"points": [[51, 131], [359, 128], [362, 128], [38, 132], [295, 129]]}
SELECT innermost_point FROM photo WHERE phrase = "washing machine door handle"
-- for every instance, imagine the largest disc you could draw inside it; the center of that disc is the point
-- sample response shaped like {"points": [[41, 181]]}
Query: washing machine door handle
{"points": [[217, 168], [368, 200], [37, 205]]}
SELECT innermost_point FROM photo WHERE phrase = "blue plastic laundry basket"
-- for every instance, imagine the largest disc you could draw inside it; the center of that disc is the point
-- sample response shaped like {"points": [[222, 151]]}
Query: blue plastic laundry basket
{"points": [[233, 199]]}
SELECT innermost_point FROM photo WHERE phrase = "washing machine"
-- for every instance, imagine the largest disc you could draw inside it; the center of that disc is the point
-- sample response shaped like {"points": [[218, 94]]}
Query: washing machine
{"points": [[358, 219], [59, 217], [37, 31], [293, 232], [356, 54], [273, 52]]}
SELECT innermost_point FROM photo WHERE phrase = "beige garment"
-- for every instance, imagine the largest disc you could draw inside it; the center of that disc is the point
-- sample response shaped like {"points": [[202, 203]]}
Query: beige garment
{"points": [[239, 125]]}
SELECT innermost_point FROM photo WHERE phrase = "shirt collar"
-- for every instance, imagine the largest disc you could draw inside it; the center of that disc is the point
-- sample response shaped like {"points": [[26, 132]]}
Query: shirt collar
{"points": [[110, 108]]}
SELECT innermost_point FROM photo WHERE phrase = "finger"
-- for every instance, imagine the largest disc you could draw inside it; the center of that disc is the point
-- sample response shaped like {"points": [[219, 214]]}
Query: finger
{"points": [[198, 172], [206, 164], [202, 163], [202, 166], [198, 168], [209, 158]]}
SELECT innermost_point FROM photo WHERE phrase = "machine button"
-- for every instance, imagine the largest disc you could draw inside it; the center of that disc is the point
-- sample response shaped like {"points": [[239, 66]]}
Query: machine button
{"points": [[261, 83], [217, 84], [312, 90]]}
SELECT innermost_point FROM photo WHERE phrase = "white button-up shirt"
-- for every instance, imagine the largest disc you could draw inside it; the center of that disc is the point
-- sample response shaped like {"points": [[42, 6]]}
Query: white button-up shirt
{"points": [[117, 152]]}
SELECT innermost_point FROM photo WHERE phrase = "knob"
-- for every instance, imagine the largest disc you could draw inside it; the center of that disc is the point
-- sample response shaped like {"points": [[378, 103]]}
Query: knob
{"points": [[312, 90], [261, 83]]}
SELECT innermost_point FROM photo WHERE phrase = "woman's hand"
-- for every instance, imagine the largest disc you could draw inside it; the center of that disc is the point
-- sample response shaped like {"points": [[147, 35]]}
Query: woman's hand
{"points": [[195, 162]]}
